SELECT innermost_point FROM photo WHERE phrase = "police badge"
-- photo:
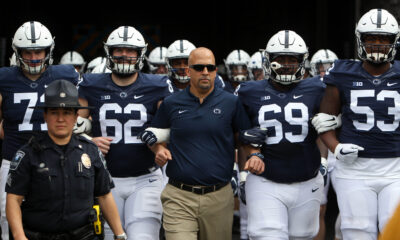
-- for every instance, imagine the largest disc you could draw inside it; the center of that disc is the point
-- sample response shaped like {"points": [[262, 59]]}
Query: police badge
{"points": [[86, 160]]}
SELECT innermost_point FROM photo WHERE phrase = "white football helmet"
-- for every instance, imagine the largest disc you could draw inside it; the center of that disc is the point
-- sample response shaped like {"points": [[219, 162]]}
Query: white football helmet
{"points": [[180, 49], [156, 58], [13, 60], [95, 62], [236, 65], [33, 36], [377, 22], [126, 37], [73, 58], [285, 43], [101, 68], [321, 61], [256, 66]]}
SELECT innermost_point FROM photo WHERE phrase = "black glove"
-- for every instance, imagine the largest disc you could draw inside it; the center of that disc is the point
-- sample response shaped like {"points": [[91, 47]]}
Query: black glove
{"points": [[254, 136], [242, 192], [147, 137], [234, 183]]}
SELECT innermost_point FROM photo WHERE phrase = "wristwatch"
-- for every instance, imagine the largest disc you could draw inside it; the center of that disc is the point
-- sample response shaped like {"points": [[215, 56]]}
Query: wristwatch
{"points": [[121, 236]]}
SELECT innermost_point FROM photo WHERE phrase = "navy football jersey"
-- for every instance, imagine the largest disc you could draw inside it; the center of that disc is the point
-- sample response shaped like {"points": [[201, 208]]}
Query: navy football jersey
{"points": [[370, 107], [229, 87], [291, 153], [19, 94], [121, 113]]}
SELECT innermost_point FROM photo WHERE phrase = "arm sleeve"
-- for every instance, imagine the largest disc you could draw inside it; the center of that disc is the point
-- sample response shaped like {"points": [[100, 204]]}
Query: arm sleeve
{"points": [[19, 176]]}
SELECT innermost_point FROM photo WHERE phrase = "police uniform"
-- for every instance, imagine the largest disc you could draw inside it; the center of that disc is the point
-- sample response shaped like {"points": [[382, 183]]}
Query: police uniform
{"points": [[59, 183]]}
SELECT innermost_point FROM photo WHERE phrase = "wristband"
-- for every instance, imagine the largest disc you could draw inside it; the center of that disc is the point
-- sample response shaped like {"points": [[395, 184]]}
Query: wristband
{"points": [[121, 236], [243, 176], [256, 154]]}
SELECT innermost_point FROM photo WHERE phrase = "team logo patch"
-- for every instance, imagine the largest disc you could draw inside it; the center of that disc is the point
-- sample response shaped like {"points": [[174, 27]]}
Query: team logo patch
{"points": [[16, 160], [86, 160], [217, 111]]}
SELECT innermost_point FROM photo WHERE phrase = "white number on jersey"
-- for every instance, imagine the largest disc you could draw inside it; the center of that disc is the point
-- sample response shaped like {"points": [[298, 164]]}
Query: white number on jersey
{"points": [[122, 131], [369, 113], [32, 97], [289, 118]]}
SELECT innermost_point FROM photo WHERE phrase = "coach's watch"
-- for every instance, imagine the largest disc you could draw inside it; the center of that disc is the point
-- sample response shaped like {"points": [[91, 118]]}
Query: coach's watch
{"points": [[256, 154], [121, 236]]}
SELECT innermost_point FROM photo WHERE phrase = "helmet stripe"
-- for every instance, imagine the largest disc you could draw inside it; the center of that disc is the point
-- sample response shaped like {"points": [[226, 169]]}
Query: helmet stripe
{"points": [[160, 53], [326, 54], [181, 46], [71, 55], [286, 38], [33, 37], [125, 34], [379, 20], [239, 55]]}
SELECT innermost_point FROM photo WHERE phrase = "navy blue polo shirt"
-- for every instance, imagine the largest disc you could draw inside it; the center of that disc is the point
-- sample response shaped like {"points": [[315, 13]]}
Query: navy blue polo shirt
{"points": [[202, 135]]}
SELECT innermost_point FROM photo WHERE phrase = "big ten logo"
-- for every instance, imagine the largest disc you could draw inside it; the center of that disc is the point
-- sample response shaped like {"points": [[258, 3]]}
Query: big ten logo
{"points": [[357, 84]]}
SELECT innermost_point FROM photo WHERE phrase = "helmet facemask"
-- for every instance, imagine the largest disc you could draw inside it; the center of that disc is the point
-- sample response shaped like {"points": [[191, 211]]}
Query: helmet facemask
{"points": [[376, 53], [35, 66], [237, 73], [179, 74], [286, 73], [124, 66]]}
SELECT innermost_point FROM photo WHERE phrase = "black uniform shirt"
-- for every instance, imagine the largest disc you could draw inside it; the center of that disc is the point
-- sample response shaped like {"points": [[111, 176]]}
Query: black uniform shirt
{"points": [[59, 186]]}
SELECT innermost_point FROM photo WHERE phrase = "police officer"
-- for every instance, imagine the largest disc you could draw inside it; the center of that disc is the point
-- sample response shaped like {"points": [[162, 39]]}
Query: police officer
{"points": [[54, 179]]}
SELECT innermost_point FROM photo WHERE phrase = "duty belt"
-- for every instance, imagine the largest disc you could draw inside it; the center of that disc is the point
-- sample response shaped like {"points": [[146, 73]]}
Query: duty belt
{"points": [[201, 190]]}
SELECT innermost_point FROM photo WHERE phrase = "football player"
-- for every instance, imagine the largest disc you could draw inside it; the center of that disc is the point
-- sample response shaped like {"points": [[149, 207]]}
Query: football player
{"points": [[321, 61], [75, 59], [157, 61], [125, 102], [255, 67], [94, 63], [22, 87], [284, 201], [177, 65], [366, 93], [236, 69]]}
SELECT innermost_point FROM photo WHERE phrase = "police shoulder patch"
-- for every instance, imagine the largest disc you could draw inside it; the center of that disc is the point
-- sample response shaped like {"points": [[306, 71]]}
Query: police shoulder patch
{"points": [[103, 160], [16, 160]]}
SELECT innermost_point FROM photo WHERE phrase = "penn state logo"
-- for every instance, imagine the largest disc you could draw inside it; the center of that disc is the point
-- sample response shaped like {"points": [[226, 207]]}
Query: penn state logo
{"points": [[217, 111]]}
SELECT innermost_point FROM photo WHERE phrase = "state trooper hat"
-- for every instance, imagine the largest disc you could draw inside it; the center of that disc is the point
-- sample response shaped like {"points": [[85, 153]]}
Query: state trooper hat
{"points": [[61, 94]]}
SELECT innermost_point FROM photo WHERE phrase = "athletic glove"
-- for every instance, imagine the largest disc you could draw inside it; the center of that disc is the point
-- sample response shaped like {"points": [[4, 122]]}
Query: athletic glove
{"points": [[234, 183], [147, 137], [323, 169], [242, 186], [82, 125], [347, 152], [255, 136], [323, 122]]}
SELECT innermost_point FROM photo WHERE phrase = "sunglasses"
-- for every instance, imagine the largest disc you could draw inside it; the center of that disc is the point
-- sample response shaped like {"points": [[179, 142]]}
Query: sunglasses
{"points": [[200, 67]]}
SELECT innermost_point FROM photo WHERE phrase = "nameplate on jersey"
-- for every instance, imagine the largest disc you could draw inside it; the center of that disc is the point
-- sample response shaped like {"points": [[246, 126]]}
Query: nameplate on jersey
{"points": [[16, 160]]}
